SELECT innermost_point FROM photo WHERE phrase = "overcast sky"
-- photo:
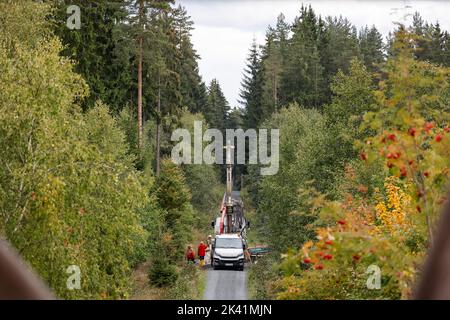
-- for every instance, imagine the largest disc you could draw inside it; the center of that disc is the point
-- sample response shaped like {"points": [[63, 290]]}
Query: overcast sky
{"points": [[224, 29]]}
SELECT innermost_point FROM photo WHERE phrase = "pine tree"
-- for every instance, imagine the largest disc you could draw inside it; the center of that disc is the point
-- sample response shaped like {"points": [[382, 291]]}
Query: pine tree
{"points": [[371, 48], [437, 46], [251, 92], [432, 44], [272, 59], [303, 78], [100, 49], [193, 89], [217, 113], [139, 22], [338, 45]]}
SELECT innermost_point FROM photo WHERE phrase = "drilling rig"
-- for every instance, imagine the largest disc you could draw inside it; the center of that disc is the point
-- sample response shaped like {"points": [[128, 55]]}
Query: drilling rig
{"points": [[230, 243], [231, 218]]}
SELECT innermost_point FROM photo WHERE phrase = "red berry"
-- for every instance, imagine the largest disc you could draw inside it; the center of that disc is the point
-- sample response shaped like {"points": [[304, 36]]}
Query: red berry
{"points": [[389, 165], [328, 257], [363, 156], [389, 155], [391, 137], [426, 174], [447, 129], [318, 267], [410, 162], [356, 257], [419, 209], [438, 138], [329, 242], [412, 132], [403, 172], [429, 126], [341, 222], [320, 253], [306, 260], [397, 155]]}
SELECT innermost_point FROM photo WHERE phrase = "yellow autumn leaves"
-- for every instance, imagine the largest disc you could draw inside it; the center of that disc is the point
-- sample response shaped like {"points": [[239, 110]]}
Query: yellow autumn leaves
{"points": [[392, 213]]}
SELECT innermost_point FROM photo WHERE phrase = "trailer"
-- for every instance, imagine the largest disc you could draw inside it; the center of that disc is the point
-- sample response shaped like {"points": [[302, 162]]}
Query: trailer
{"points": [[258, 252]]}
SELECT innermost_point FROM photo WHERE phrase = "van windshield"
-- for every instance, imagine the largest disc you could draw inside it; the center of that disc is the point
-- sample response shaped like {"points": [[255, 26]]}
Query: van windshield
{"points": [[231, 243]]}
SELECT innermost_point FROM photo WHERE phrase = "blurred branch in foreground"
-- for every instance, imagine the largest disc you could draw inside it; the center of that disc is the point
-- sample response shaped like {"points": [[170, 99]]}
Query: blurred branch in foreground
{"points": [[16, 280], [435, 281]]}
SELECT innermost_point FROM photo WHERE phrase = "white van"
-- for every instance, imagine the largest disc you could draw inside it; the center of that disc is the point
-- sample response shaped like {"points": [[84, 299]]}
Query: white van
{"points": [[228, 251]]}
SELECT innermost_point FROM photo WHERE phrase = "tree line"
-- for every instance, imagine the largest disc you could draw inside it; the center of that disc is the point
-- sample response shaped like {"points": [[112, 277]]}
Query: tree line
{"points": [[298, 61]]}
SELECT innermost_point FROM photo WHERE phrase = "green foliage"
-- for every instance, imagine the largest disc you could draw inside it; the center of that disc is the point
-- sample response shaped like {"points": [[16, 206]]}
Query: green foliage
{"points": [[171, 191], [303, 138], [100, 47], [216, 114], [371, 48], [303, 78], [26, 27], [162, 273], [202, 179], [178, 215], [189, 284], [352, 97], [261, 276], [433, 43], [298, 63], [69, 194], [389, 200], [252, 89]]}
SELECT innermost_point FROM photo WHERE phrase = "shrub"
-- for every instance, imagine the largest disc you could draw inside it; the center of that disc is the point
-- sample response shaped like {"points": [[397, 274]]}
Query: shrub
{"points": [[162, 273]]}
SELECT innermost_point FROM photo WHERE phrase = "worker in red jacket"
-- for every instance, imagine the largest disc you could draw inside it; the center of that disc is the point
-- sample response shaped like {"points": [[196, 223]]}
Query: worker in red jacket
{"points": [[202, 252], [190, 255]]}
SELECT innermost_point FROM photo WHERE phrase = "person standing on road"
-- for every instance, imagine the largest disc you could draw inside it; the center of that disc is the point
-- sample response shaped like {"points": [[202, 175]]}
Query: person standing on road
{"points": [[201, 253], [208, 250]]}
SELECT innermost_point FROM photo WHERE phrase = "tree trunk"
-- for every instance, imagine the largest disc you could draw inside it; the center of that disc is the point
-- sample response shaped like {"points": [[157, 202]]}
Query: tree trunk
{"points": [[141, 13], [158, 128], [275, 93]]}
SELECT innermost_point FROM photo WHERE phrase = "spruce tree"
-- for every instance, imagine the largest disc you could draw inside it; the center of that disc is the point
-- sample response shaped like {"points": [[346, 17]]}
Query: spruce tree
{"points": [[99, 48], [303, 78], [371, 48], [217, 113], [251, 92]]}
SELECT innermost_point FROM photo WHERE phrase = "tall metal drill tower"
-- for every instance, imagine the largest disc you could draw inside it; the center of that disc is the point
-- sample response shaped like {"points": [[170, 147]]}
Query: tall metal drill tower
{"points": [[229, 191]]}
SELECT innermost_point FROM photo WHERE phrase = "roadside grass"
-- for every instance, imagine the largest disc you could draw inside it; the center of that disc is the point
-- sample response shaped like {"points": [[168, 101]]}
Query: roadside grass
{"points": [[142, 290], [260, 273], [260, 277], [190, 284]]}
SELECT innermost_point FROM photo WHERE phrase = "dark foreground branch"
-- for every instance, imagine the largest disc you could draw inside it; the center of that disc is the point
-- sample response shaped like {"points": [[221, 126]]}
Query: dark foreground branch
{"points": [[435, 281], [16, 280]]}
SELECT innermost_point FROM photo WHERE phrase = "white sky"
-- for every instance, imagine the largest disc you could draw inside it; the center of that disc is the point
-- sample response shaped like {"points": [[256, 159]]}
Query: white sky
{"points": [[224, 29]]}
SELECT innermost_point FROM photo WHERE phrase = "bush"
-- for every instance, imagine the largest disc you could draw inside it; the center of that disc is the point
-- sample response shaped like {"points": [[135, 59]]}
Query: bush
{"points": [[261, 276], [162, 273], [188, 285]]}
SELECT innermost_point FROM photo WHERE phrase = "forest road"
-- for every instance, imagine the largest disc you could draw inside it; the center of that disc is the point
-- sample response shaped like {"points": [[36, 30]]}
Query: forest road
{"points": [[226, 285]]}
